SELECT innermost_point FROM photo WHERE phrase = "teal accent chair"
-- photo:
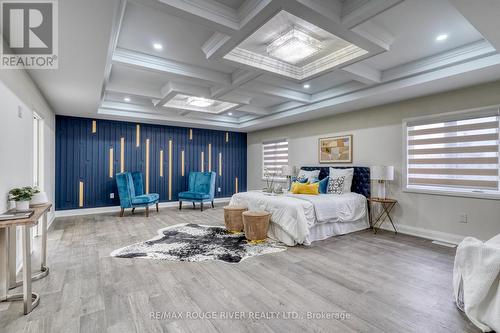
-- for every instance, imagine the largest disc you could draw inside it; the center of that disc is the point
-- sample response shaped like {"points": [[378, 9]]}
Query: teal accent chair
{"points": [[131, 192], [201, 189]]}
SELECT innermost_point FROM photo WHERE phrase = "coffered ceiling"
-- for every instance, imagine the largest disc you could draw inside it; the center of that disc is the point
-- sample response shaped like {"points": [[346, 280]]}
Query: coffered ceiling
{"points": [[251, 64]]}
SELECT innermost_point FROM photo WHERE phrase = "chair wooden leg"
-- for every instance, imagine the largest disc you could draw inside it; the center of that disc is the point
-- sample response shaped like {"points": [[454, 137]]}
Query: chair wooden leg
{"points": [[133, 210], [122, 212], [213, 204], [201, 204], [157, 208], [147, 211]]}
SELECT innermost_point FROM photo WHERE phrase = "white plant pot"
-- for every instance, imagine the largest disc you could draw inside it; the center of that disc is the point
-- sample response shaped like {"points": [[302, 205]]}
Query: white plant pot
{"points": [[22, 205], [39, 199]]}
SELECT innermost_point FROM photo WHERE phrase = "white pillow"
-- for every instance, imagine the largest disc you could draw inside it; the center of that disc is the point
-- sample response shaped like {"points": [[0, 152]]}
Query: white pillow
{"points": [[347, 173], [309, 175]]}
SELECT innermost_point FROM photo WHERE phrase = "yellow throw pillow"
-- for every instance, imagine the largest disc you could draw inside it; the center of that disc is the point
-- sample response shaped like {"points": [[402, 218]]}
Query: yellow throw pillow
{"points": [[294, 184], [306, 188]]}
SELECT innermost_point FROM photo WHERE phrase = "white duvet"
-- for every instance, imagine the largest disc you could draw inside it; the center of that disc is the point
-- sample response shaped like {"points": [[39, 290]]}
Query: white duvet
{"points": [[296, 214], [476, 281]]}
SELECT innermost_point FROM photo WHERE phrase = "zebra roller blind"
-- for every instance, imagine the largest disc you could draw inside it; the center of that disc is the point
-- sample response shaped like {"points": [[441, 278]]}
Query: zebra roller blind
{"points": [[274, 156], [458, 152]]}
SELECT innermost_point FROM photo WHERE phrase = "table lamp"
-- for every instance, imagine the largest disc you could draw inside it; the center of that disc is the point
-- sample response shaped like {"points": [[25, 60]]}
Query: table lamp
{"points": [[381, 174]]}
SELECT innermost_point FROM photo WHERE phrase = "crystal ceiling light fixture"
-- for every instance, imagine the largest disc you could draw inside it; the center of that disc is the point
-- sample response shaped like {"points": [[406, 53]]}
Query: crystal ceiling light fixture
{"points": [[200, 102], [294, 46]]}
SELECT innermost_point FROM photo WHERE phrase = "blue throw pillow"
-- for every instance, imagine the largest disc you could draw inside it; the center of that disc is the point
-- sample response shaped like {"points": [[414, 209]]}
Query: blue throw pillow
{"points": [[323, 185]]}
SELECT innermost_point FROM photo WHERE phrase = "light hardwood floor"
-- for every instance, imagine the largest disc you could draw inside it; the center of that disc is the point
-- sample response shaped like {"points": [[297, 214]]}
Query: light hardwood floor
{"points": [[385, 283]]}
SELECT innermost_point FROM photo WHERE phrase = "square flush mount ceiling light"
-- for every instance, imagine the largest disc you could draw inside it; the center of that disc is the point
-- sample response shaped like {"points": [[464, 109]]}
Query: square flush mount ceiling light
{"points": [[199, 104], [200, 101], [294, 46]]}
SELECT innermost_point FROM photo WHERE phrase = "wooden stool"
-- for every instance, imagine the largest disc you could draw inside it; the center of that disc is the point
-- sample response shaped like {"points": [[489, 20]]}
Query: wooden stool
{"points": [[256, 224], [233, 219]]}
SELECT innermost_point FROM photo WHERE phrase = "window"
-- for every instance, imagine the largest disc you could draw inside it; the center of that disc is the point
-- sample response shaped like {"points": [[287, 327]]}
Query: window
{"points": [[455, 153], [274, 157]]}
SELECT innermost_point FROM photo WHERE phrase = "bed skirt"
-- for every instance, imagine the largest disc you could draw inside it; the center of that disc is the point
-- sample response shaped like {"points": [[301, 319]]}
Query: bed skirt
{"points": [[319, 231]]}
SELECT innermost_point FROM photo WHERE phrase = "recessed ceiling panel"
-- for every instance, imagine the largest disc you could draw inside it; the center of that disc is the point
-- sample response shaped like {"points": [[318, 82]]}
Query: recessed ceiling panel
{"points": [[292, 47]]}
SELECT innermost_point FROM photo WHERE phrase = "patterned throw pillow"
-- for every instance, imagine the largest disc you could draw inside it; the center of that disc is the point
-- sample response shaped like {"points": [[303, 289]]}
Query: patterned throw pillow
{"points": [[308, 175], [336, 185]]}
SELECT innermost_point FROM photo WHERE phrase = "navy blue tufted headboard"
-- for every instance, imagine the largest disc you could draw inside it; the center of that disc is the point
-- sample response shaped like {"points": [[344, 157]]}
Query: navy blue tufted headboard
{"points": [[360, 180]]}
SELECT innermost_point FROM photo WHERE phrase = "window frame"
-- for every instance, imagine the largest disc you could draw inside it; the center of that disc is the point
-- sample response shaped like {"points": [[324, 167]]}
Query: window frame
{"points": [[276, 178], [459, 192]]}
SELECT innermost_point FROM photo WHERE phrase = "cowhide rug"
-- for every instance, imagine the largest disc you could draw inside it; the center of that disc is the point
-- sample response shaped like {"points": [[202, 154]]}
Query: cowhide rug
{"points": [[193, 242]]}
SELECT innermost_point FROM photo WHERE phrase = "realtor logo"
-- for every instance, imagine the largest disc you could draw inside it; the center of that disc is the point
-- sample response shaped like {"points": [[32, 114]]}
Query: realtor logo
{"points": [[29, 30]]}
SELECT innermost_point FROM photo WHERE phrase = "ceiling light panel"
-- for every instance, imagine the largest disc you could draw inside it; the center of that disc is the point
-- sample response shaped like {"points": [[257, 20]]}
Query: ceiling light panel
{"points": [[199, 104]]}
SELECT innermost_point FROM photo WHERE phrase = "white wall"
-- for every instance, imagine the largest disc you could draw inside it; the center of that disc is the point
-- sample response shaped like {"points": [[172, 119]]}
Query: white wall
{"points": [[16, 137], [378, 140]]}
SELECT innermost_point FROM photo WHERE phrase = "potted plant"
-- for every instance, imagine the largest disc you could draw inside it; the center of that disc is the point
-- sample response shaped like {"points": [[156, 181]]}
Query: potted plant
{"points": [[269, 177], [22, 196]]}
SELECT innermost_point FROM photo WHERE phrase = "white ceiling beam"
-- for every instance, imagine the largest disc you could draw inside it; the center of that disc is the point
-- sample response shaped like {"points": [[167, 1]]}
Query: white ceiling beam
{"points": [[168, 119], [128, 88], [355, 12], [238, 78], [464, 53], [253, 110], [329, 8], [340, 90], [375, 33], [270, 90], [213, 43], [115, 33], [363, 73], [157, 64], [128, 107]]}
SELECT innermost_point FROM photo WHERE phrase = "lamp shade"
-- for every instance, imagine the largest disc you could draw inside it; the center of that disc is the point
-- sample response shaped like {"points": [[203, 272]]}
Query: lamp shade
{"points": [[286, 170], [382, 172]]}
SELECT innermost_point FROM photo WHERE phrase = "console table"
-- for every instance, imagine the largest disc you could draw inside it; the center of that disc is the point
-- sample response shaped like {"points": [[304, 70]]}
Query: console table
{"points": [[8, 257]]}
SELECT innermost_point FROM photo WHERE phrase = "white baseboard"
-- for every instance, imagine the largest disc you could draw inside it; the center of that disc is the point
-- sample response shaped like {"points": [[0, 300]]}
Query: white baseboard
{"points": [[115, 209], [426, 233]]}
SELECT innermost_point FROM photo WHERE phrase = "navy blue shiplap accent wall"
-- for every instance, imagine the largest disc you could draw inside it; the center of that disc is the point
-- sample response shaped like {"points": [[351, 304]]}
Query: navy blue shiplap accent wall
{"points": [[83, 156]]}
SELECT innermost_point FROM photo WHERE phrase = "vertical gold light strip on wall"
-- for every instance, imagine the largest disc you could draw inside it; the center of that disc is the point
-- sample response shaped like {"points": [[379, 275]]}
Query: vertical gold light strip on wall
{"points": [[209, 157], [202, 161], [220, 164], [110, 162], [170, 170], [182, 163], [80, 195], [137, 135], [190, 134], [147, 166], [236, 185], [227, 136], [122, 155], [94, 126], [161, 163]]}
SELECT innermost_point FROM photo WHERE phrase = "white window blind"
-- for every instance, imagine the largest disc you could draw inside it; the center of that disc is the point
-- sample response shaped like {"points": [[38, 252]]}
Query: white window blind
{"points": [[274, 156], [458, 152]]}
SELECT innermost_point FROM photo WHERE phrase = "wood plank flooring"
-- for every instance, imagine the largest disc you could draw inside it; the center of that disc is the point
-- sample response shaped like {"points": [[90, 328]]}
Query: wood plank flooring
{"points": [[382, 283]]}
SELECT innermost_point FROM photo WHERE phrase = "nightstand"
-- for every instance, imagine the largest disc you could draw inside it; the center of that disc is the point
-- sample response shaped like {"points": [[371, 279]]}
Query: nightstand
{"points": [[387, 206]]}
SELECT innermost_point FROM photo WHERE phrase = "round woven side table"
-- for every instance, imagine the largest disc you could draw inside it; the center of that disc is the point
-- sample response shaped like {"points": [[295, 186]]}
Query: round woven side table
{"points": [[233, 219], [256, 224]]}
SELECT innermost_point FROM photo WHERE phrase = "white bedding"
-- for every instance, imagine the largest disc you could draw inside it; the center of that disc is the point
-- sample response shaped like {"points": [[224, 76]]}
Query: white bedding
{"points": [[296, 214]]}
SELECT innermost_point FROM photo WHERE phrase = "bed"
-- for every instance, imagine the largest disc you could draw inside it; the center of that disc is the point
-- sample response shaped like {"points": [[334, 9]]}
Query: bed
{"points": [[303, 219]]}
